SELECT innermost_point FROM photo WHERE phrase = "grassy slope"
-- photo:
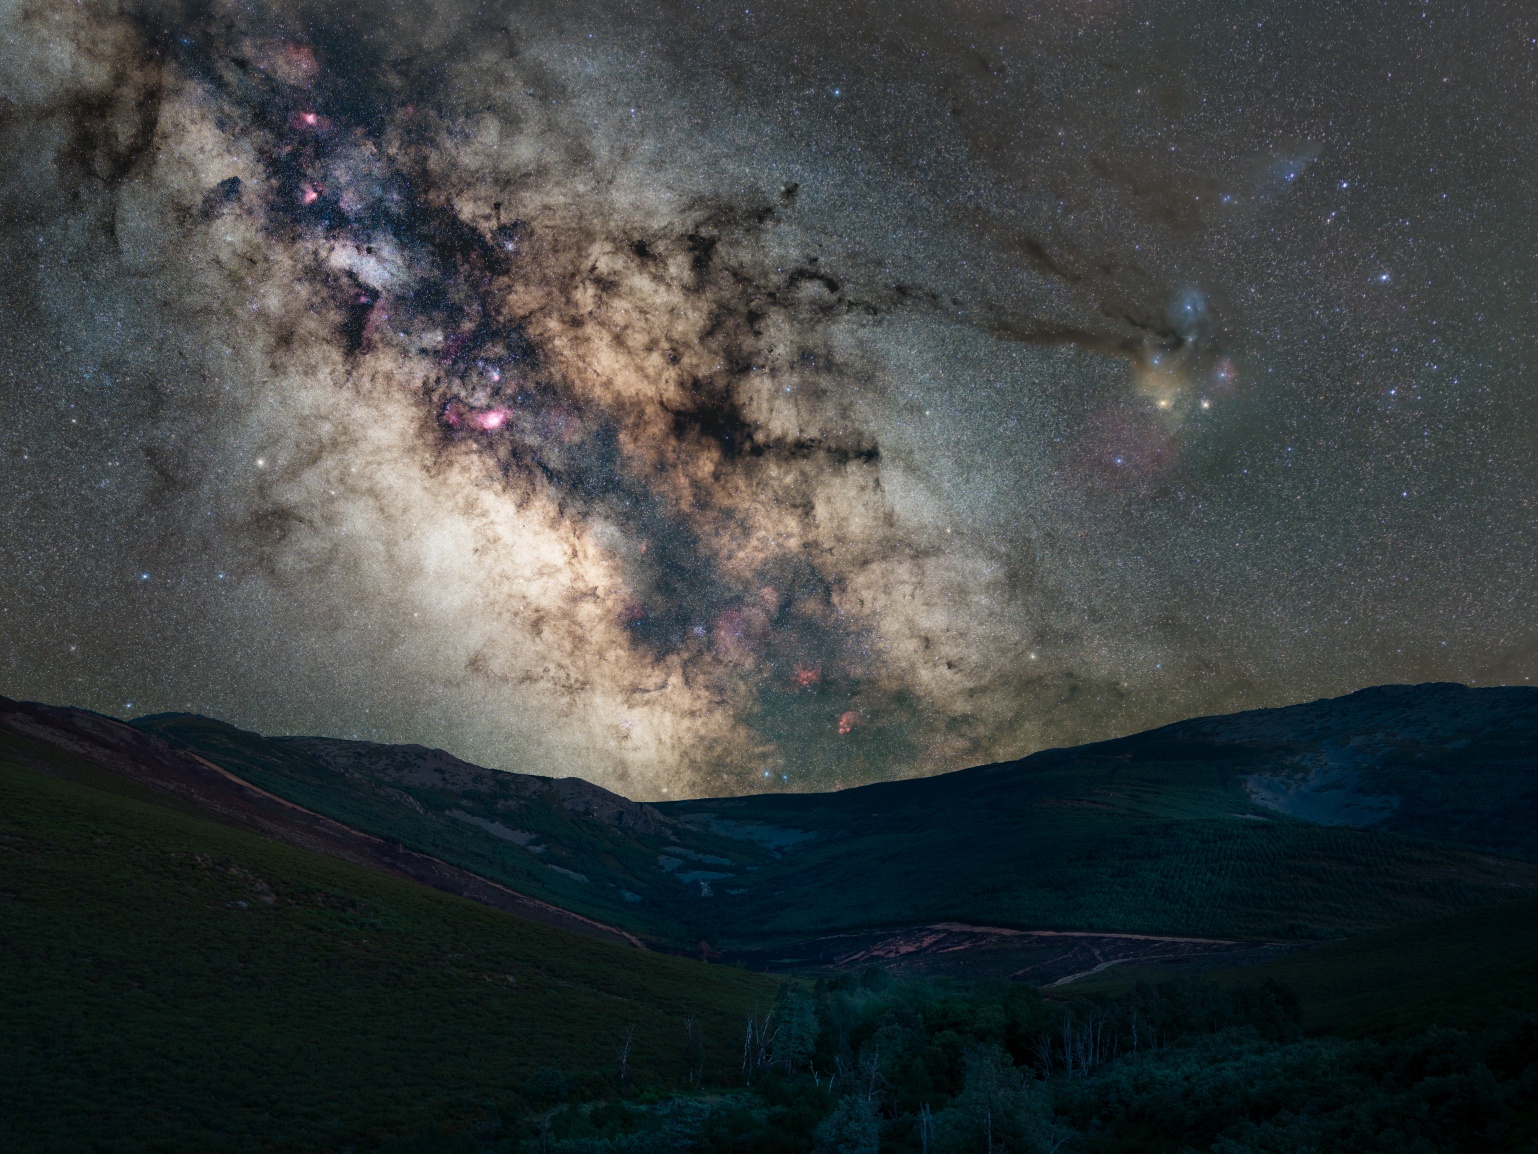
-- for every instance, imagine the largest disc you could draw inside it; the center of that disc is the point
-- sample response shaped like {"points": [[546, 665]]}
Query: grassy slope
{"points": [[613, 860], [1484, 793], [1151, 834], [1465, 969], [1155, 838], [139, 1001]]}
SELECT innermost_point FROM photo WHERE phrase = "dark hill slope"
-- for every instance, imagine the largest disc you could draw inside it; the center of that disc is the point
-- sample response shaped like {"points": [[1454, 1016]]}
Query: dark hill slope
{"points": [[144, 758], [1438, 761], [1463, 970], [1156, 834], [1318, 820], [169, 982], [563, 840]]}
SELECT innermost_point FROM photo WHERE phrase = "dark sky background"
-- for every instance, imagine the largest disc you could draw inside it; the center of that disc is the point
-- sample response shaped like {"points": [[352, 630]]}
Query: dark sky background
{"points": [[709, 398]]}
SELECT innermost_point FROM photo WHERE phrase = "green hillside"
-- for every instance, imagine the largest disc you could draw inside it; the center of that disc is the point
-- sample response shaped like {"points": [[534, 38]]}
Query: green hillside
{"points": [[1468, 969], [1136, 836], [170, 983], [566, 842], [1151, 834]]}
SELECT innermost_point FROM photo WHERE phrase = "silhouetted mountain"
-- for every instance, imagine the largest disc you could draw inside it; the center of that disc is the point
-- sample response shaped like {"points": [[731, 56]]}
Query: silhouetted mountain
{"points": [[1284, 825], [561, 840], [1439, 761], [213, 790]]}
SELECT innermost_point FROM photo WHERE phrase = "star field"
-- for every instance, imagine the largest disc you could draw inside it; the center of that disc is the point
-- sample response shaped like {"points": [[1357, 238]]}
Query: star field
{"points": [[700, 399]]}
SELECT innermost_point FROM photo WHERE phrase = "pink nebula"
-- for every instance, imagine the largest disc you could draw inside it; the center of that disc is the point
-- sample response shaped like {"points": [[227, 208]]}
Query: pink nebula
{"points": [[301, 59], [309, 122], [488, 420]]}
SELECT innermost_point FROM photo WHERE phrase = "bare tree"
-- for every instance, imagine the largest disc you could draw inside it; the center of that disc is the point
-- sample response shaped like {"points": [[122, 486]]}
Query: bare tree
{"points": [[1044, 1053], [870, 1072], [757, 1044], [624, 1057], [694, 1052]]}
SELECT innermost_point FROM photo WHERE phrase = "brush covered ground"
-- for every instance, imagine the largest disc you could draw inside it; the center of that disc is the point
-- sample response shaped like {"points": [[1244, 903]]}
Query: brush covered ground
{"points": [[168, 982], [171, 981], [1233, 1063], [1466, 968], [1306, 823], [1420, 1038]]}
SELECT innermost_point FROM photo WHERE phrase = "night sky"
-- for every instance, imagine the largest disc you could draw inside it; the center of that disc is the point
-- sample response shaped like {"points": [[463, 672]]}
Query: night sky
{"points": [[712, 398]]}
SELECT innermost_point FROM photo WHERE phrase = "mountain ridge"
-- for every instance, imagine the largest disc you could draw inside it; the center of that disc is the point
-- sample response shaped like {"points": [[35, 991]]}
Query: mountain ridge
{"points": [[1312, 821]]}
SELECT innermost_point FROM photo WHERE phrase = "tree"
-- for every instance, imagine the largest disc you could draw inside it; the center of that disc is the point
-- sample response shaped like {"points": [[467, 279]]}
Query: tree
{"points": [[795, 1027], [998, 1111], [624, 1058], [694, 1052], [852, 1128], [757, 1045]]}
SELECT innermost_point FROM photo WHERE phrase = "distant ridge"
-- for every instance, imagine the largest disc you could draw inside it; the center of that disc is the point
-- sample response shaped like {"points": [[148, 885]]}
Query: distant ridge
{"points": [[1313, 821]]}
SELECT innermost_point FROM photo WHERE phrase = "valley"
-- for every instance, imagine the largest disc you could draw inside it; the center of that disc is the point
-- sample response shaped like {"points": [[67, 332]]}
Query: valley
{"points": [[407, 944]]}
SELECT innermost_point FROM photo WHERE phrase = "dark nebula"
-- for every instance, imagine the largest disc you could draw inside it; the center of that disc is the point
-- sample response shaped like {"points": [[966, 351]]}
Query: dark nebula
{"points": [[700, 401]]}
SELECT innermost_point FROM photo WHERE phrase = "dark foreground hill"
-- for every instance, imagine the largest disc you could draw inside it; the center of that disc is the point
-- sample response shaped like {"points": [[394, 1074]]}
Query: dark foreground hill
{"points": [[172, 981], [1469, 969], [1295, 824]]}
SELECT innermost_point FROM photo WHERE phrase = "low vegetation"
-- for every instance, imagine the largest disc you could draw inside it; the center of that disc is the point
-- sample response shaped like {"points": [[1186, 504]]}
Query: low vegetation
{"points": [[1143, 835], [169, 983], [864, 1065]]}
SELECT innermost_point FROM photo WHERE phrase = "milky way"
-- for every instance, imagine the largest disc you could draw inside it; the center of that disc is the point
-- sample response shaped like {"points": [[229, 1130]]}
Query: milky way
{"points": [[711, 399]]}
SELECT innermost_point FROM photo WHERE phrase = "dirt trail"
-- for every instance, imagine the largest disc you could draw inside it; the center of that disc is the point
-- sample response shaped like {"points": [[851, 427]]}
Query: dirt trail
{"points": [[1041, 957]]}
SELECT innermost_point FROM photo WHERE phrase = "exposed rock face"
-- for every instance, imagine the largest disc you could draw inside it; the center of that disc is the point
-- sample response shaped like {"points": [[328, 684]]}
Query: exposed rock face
{"points": [[595, 802]]}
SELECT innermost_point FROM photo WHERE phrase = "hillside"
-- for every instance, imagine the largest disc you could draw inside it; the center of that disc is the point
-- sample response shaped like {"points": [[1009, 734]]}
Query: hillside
{"points": [[171, 981], [1468, 969], [1438, 761], [215, 940], [1308, 822], [1153, 834], [562, 840]]}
